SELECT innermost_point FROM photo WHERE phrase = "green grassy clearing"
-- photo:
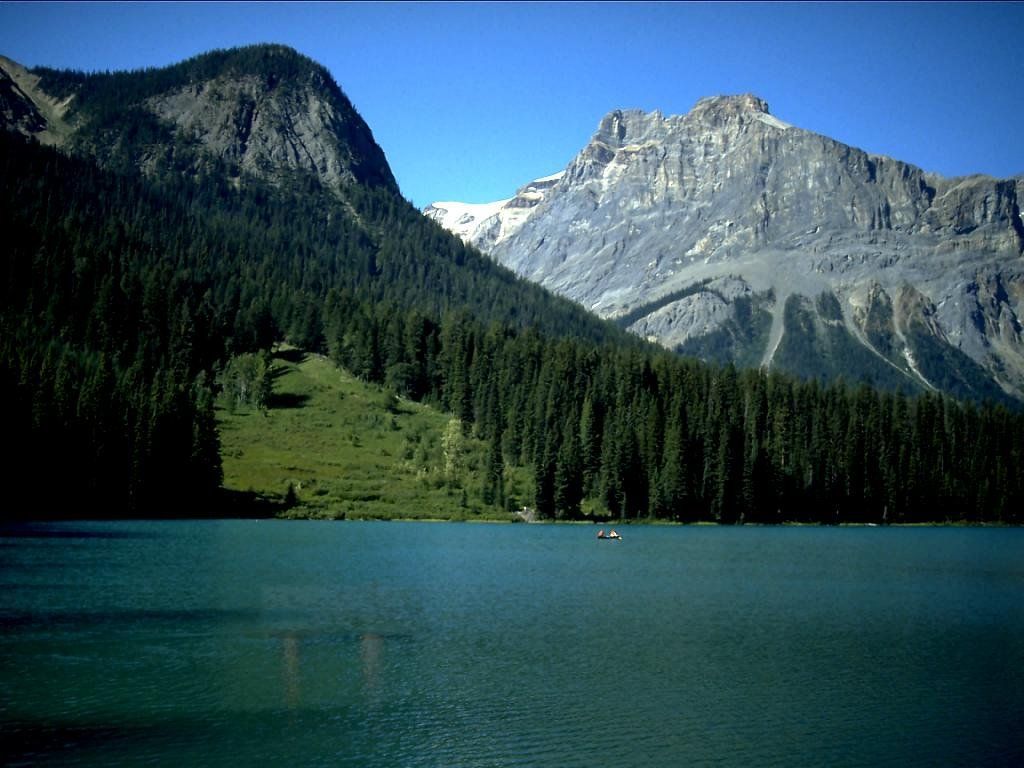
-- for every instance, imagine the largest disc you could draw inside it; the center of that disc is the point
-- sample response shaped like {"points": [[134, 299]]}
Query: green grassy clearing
{"points": [[348, 449]]}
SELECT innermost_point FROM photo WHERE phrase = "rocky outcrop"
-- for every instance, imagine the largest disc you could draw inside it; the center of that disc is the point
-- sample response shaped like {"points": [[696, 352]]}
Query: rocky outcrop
{"points": [[17, 109], [263, 130], [27, 109], [657, 210]]}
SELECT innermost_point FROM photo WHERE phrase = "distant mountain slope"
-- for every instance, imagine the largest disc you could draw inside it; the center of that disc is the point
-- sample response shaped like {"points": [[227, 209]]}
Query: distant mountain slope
{"points": [[487, 224], [729, 234]]}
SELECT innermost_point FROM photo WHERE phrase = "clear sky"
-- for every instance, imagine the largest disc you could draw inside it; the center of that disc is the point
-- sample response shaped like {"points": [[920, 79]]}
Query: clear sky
{"points": [[471, 100]]}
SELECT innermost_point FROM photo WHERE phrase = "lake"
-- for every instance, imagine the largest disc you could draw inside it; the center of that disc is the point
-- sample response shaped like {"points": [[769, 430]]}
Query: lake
{"points": [[436, 644]]}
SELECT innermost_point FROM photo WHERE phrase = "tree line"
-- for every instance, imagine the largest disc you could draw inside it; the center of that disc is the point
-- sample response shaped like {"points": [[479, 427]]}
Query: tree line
{"points": [[639, 433]]}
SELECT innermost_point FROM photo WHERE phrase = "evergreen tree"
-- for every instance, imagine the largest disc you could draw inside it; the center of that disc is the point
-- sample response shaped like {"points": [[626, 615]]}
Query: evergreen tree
{"points": [[453, 448], [494, 473], [590, 446], [568, 476]]}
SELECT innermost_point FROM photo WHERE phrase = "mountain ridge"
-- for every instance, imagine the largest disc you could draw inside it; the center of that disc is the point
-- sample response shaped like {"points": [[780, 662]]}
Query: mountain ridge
{"points": [[147, 282], [265, 111], [655, 206]]}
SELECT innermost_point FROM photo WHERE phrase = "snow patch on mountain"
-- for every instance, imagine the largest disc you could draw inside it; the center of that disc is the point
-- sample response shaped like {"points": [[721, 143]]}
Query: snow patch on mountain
{"points": [[463, 219], [487, 224]]}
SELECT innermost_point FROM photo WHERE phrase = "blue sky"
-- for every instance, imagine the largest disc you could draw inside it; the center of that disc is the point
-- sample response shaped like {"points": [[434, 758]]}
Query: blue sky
{"points": [[471, 100]]}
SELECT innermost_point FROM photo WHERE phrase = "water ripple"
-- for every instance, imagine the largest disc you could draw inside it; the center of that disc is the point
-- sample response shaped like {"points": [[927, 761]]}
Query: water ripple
{"points": [[374, 645]]}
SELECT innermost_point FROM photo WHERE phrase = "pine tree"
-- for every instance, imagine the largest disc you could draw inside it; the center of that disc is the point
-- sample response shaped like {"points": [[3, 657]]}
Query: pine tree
{"points": [[568, 476], [494, 473], [590, 446], [673, 489]]}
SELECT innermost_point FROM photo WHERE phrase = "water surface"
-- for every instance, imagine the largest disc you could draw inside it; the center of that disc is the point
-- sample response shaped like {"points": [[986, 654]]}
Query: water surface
{"points": [[407, 644]]}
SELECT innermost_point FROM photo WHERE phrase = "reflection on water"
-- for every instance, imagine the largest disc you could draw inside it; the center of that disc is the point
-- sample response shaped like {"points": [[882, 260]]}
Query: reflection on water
{"points": [[371, 647], [300, 662], [292, 682]]}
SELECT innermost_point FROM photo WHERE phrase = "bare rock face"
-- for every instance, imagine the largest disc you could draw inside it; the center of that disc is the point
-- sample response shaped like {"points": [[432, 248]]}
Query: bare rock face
{"points": [[17, 109], [657, 211], [263, 129], [263, 112], [25, 108]]}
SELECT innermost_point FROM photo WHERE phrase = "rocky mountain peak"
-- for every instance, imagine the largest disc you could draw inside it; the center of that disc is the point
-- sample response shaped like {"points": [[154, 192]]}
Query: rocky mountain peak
{"points": [[730, 105], [729, 234], [621, 127], [624, 127], [719, 112], [262, 111]]}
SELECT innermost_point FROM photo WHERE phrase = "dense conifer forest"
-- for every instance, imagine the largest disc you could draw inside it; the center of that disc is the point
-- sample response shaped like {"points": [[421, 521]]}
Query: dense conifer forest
{"points": [[125, 300]]}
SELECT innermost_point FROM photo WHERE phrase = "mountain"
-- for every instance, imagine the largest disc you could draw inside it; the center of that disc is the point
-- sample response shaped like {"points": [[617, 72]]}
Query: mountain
{"points": [[160, 224], [163, 232], [265, 111], [731, 235], [264, 119]]}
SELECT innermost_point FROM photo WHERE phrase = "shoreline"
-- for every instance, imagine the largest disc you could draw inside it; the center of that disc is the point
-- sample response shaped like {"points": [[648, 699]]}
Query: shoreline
{"points": [[28, 521]]}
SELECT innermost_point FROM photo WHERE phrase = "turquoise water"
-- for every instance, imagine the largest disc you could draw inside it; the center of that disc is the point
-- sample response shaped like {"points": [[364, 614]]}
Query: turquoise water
{"points": [[405, 644]]}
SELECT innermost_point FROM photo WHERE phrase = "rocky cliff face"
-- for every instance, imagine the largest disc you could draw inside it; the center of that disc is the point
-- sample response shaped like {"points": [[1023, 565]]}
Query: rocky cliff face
{"points": [[730, 234], [25, 108], [263, 112]]}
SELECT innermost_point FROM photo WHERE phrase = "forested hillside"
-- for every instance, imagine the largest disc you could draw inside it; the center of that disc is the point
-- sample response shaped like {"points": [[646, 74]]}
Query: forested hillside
{"points": [[123, 299], [129, 291], [122, 302]]}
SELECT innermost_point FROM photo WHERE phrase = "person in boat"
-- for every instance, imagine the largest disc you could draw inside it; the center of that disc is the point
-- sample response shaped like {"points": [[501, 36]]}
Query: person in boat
{"points": [[614, 535], [600, 534]]}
